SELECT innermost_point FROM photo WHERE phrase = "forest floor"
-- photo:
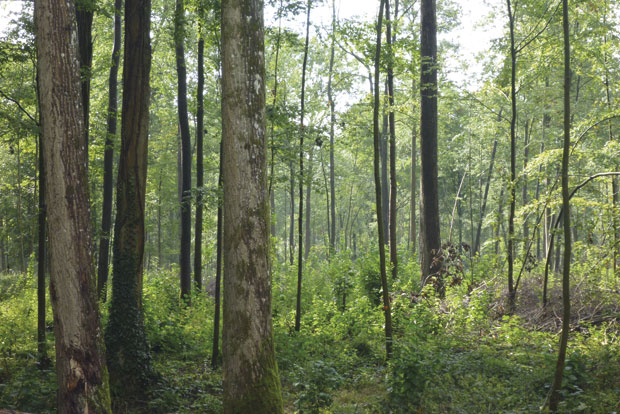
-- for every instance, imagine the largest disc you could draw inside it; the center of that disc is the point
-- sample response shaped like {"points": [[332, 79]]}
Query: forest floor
{"points": [[462, 354]]}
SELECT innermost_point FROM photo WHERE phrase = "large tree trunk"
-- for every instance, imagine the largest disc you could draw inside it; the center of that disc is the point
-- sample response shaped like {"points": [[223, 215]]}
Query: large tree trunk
{"points": [[108, 158], [302, 133], [186, 154], [555, 395], [387, 310], [199, 157], [128, 354], [250, 374], [429, 200], [80, 366]]}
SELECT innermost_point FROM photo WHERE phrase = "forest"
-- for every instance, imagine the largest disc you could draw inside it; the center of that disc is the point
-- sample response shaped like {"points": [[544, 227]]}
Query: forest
{"points": [[309, 206]]}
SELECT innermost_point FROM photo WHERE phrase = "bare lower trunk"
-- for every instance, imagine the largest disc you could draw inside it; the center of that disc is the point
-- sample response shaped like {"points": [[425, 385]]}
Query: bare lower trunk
{"points": [[250, 374], [80, 366]]}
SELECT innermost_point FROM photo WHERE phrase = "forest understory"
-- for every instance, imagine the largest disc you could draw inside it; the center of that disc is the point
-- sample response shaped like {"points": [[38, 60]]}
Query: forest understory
{"points": [[461, 354]]}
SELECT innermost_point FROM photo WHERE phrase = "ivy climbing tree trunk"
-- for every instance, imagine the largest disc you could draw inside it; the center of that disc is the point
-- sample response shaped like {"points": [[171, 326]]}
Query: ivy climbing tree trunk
{"points": [[108, 158], [80, 363], [429, 201], [251, 380], [186, 153], [129, 360]]}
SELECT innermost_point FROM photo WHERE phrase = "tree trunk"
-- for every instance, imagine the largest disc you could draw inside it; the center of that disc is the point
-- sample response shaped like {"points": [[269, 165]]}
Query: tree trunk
{"points": [[527, 132], [108, 159], [332, 122], [80, 366], [41, 254], [308, 217], [380, 232], [302, 132], [555, 395], [129, 360], [392, 124], [186, 154], [199, 157], [292, 226], [513, 162], [250, 374], [414, 165], [215, 353], [385, 182], [84, 14], [429, 211], [476, 247]]}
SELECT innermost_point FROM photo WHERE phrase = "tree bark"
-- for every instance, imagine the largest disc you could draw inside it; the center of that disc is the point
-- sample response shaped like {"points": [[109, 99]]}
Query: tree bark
{"points": [[392, 127], [186, 154], [250, 374], [555, 396], [292, 226], [84, 15], [302, 133], [215, 353], [332, 122], [513, 162], [413, 233], [380, 232], [429, 201], [41, 253], [129, 360], [108, 159], [199, 156], [80, 366]]}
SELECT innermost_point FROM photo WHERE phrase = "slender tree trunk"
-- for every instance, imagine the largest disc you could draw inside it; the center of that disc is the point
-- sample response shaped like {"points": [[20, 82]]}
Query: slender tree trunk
{"points": [[382, 267], [186, 154], [215, 353], [108, 159], [129, 360], [500, 220], [527, 132], [385, 180], [538, 247], [18, 221], [84, 15], [332, 122], [302, 132], [476, 247], [555, 396], [159, 254], [80, 366], [513, 162], [292, 226], [308, 217], [429, 201], [392, 123], [414, 166], [199, 157], [250, 373], [41, 255]]}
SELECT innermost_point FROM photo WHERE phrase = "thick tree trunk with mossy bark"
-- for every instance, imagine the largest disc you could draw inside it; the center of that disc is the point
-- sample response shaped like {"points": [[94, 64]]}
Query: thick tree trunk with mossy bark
{"points": [[250, 373], [80, 364], [129, 360]]}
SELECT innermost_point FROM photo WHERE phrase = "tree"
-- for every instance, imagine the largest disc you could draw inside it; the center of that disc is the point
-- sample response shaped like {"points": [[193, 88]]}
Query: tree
{"points": [[554, 393], [108, 158], [302, 133], [429, 200], [250, 373], [186, 153], [129, 359], [380, 232], [199, 153], [80, 366], [332, 122], [84, 11]]}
